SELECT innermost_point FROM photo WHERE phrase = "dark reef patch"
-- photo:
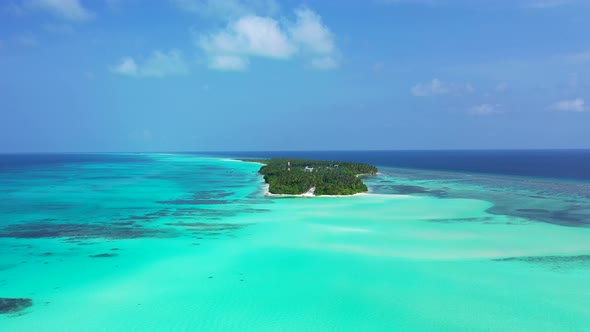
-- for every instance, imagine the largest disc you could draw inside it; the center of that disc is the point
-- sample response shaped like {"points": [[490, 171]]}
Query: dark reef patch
{"points": [[102, 255], [211, 194], [572, 215], [133, 218], [462, 220], [409, 190], [210, 197], [14, 305], [27, 246], [534, 210], [212, 214], [547, 259], [75, 232], [553, 262], [566, 203], [160, 213], [123, 223], [193, 201], [146, 217], [537, 196]]}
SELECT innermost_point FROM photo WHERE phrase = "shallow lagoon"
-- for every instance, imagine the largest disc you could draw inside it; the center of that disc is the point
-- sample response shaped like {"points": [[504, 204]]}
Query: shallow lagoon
{"points": [[180, 242]]}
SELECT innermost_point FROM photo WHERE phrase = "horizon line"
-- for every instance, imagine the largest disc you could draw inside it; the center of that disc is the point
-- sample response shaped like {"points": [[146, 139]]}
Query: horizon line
{"points": [[295, 151]]}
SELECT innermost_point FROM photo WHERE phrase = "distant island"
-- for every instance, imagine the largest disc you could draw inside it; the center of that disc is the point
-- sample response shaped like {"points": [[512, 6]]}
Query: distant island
{"points": [[314, 177]]}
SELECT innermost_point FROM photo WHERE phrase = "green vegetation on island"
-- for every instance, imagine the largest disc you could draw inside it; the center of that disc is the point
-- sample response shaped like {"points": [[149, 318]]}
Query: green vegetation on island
{"points": [[298, 176]]}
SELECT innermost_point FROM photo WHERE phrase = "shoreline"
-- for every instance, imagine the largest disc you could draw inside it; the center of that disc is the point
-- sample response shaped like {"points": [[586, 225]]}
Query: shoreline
{"points": [[307, 194], [244, 161]]}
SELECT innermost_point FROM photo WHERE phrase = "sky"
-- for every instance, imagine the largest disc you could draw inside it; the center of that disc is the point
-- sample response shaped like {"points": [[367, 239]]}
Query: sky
{"points": [[248, 75]]}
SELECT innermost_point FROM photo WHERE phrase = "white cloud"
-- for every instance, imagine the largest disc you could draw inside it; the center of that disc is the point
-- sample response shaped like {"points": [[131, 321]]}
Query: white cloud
{"points": [[309, 31], [484, 109], [572, 105], [314, 38], [228, 8], [161, 64], [438, 87], [126, 66], [158, 64], [68, 9], [435, 87], [250, 35], [256, 36], [228, 62]]}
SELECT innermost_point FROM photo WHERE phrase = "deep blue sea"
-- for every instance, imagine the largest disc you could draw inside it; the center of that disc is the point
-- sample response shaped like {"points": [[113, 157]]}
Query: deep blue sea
{"points": [[556, 164]]}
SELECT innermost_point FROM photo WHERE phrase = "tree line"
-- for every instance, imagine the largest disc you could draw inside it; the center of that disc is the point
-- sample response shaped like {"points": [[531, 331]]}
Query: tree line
{"points": [[328, 177]]}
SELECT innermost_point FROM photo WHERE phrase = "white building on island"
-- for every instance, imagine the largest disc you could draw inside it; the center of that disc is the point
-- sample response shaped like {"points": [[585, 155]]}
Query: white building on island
{"points": [[308, 169]]}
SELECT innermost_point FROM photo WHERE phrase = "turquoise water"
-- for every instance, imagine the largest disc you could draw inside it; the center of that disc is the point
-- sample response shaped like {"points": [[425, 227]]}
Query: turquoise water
{"points": [[188, 243]]}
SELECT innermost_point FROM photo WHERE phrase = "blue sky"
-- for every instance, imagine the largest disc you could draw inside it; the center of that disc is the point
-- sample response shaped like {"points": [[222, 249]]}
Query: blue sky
{"points": [[204, 75]]}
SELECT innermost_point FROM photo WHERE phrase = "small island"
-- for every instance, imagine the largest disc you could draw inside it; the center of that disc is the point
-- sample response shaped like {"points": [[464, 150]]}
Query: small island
{"points": [[314, 177]]}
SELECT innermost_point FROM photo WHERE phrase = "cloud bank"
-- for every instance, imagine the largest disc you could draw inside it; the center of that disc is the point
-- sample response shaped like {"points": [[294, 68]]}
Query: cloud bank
{"points": [[438, 87], [158, 64], [257, 36], [67, 9], [572, 105], [484, 109]]}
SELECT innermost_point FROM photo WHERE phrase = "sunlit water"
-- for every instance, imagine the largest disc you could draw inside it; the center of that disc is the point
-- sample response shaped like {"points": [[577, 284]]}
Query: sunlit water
{"points": [[189, 243]]}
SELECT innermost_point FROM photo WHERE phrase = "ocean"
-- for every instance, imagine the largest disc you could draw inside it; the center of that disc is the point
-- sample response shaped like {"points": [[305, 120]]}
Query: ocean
{"points": [[444, 241], [556, 164]]}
